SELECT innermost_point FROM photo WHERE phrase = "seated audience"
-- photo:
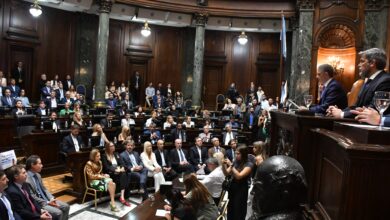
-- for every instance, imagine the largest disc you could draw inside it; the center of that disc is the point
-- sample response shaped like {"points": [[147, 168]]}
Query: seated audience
{"points": [[153, 134], [164, 161], [179, 133], [55, 123], [229, 105], [216, 147], [154, 169], [97, 179], [78, 120], [46, 90], [240, 172], [15, 89], [22, 201], [134, 165], [73, 142], [169, 123], [125, 134], [111, 101], [22, 97], [66, 110], [19, 109], [179, 158], [115, 167], [52, 101], [7, 100], [67, 99], [198, 155], [228, 135], [152, 119], [41, 110], [97, 131], [127, 102], [57, 209], [127, 121], [139, 113], [231, 152], [213, 181], [188, 123], [72, 92], [107, 121], [149, 93], [5, 201], [77, 108], [206, 135]]}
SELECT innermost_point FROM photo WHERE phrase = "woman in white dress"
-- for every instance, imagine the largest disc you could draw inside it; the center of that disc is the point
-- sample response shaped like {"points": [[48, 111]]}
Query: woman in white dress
{"points": [[154, 170]]}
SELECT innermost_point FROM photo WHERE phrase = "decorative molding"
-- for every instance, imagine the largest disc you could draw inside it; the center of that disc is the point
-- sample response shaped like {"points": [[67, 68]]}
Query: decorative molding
{"points": [[284, 143], [305, 4], [200, 19], [105, 6], [141, 53], [337, 36], [269, 61], [374, 4]]}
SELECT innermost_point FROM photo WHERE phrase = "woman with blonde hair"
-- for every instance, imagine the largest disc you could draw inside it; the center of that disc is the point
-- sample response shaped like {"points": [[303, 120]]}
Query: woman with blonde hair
{"points": [[200, 198], [258, 150], [97, 130], [98, 180], [154, 169], [78, 120], [125, 134], [169, 123]]}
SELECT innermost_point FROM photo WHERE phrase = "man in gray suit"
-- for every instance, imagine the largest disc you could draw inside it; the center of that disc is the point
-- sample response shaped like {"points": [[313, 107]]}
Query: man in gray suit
{"points": [[58, 209]]}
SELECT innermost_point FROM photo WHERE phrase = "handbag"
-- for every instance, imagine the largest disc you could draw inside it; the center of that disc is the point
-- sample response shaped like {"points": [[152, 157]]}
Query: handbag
{"points": [[227, 183]]}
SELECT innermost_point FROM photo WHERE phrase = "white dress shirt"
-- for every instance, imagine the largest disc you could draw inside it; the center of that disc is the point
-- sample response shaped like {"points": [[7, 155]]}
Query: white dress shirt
{"points": [[213, 182]]}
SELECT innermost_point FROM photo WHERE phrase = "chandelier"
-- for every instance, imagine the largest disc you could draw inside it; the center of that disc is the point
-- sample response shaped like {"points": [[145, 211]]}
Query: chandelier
{"points": [[146, 30], [242, 39], [35, 9], [337, 64]]}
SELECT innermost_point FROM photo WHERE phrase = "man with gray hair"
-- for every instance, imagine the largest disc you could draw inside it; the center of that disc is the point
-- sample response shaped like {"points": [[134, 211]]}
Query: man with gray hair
{"points": [[216, 147], [214, 180], [371, 66]]}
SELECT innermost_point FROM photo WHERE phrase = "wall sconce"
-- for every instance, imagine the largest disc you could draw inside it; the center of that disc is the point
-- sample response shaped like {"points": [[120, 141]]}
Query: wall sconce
{"points": [[35, 9], [146, 30], [242, 39], [337, 64]]}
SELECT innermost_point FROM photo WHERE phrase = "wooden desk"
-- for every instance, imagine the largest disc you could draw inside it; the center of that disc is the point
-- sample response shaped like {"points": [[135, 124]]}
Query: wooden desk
{"points": [[351, 179], [147, 210]]}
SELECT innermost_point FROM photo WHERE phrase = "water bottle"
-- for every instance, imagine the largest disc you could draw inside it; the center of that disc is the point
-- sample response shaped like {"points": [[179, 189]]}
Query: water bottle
{"points": [[185, 113], [139, 139], [66, 124], [115, 140], [87, 111], [242, 126], [42, 125], [48, 111], [184, 137], [109, 123], [163, 137], [90, 123], [89, 142]]}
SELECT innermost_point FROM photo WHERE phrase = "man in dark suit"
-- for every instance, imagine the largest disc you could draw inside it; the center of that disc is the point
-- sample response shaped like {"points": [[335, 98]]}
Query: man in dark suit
{"points": [[67, 99], [371, 66], [67, 82], [15, 89], [179, 133], [231, 152], [164, 161], [179, 158], [22, 201], [216, 147], [55, 123], [73, 142], [134, 165], [7, 100], [198, 155], [41, 110], [18, 73], [228, 135], [332, 93], [46, 90], [6, 212], [111, 101], [58, 209]]}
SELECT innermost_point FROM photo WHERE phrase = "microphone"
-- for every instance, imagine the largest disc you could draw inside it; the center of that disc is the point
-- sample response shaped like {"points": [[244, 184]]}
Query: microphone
{"points": [[293, 103]]}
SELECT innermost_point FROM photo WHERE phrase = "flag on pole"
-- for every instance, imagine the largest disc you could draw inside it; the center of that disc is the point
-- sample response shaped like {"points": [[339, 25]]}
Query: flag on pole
{"points": [[283, 38], [283, 93]]}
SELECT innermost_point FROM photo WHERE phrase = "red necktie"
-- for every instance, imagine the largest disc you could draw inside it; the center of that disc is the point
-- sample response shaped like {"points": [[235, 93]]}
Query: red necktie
{"points": [[28, 199]]}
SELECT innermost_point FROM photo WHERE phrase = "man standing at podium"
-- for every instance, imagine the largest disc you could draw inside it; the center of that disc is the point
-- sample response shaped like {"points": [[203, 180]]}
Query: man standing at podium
{"points": [[371, 66], [332, 93]]}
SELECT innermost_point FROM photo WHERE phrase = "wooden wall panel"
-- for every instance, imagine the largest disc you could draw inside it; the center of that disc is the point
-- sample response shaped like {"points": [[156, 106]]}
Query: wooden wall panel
{"points": [[116, 61]]}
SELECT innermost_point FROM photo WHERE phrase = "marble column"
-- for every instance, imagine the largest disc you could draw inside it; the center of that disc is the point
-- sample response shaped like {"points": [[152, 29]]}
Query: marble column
{"points": [[375, 19], [299, 80], [101, 57], [201, 20]]}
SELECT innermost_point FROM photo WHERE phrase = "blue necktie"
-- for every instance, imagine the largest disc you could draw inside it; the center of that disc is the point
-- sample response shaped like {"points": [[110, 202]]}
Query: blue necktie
{"points": [[41, 193]]}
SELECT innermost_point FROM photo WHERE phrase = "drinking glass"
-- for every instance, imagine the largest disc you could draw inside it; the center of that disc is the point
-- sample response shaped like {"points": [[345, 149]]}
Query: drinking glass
{"points": [[308, 100], [382, 102]]}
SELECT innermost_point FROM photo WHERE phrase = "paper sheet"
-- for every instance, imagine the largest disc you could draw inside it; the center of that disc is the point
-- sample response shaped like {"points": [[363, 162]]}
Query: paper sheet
{"points": [[161, 212]]}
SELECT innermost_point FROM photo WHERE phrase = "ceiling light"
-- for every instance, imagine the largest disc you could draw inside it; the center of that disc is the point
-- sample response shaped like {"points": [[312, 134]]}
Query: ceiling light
{"points": [[242, 39], [146, 30], [35, 9]]}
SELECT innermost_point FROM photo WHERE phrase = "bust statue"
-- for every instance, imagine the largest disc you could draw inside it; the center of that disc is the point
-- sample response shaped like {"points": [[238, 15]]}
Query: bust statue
{"points": [[279, 189]]}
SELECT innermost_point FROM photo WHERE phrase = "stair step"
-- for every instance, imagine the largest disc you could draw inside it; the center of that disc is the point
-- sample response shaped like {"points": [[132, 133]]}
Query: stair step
{"points": [[67, 198]]}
